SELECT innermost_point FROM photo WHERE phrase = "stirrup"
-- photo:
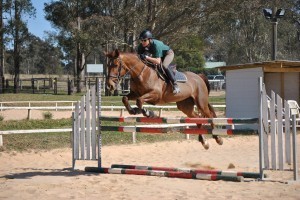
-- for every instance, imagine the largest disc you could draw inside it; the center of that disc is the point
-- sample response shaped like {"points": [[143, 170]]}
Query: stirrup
{"points": [[176, 89]]}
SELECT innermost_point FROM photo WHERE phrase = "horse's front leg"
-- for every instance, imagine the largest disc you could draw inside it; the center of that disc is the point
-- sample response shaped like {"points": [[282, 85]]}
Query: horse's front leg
{"points": [[145, 111], [131, 111]]}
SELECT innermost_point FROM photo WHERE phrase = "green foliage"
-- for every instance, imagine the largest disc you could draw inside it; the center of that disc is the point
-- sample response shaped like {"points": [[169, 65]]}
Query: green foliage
{"points": [[1, 118], [48, 115], [188, 54]]}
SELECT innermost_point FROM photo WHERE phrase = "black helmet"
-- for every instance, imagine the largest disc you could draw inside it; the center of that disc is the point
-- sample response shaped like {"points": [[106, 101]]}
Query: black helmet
{"points": [[146, 34]]}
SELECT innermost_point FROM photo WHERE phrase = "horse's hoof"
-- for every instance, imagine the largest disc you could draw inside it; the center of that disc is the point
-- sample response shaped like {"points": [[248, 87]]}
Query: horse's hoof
{"points": [[152, 114], [219, 140], [137, 111], [205, 145]]}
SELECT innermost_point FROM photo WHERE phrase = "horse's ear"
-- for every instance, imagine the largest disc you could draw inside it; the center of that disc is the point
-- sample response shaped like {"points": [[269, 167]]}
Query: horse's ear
{"points": [[116, 53], [113, 54], [107, 54]]}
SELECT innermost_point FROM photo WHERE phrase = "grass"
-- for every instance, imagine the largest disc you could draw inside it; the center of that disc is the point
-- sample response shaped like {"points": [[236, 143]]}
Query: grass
{"points": [[47, 141]]}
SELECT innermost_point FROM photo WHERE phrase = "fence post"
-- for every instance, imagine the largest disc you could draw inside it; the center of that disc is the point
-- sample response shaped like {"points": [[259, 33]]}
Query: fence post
{"points": [[70, 88], [50, 83], [7, 84], [295, 160], [55, 85], [32, 85], [1, 141], [44, 86], [2, 84], [37, 85]]}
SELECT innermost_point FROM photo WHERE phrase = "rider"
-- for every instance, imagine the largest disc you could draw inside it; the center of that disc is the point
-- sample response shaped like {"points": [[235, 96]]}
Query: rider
{"points": [[159, 53]]}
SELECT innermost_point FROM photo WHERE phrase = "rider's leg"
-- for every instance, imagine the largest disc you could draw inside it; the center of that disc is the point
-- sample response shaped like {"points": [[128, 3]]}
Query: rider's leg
{"points": [[168, 59], [173, 81]]}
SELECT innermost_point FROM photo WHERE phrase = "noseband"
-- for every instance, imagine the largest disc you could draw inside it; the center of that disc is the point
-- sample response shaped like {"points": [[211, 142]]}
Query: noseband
{"points": [[118, 76]]}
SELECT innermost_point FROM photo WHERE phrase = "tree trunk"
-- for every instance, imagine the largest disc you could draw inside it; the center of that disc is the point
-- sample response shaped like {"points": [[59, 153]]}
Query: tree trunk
{"points": [[1, 50], [80, 69], [16, 48]]}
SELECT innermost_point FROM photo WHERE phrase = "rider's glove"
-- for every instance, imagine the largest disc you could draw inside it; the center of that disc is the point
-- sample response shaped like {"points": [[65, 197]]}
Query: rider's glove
{"points": [[143, 56]]}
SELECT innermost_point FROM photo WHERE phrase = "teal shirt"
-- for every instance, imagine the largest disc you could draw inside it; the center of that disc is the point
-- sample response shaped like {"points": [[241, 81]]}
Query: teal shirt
{"points": [[157, 49]]}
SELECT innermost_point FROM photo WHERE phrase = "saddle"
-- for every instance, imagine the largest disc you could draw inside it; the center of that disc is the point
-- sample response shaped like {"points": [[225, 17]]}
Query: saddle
{"points": [[160, 70]]}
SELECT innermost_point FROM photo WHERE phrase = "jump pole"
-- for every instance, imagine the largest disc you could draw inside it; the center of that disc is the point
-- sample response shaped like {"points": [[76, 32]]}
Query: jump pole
{"points": [[184, 130], [170, 174], [221, 121], [196, 171]]}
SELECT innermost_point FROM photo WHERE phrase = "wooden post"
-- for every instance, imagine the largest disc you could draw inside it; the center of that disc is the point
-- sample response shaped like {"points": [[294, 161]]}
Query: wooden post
{"points": [[295, 160], [55, 85], [44, 86], [32, 85], [37, 85], [1, 141], [29, 114]]}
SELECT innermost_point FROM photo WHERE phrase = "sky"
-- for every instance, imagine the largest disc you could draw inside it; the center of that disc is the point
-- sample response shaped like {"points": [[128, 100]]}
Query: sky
{"points": [[39, 24]]}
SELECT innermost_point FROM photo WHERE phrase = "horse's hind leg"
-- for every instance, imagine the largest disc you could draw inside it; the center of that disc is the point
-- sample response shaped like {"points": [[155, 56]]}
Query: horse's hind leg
{"points": [[187, 107], [207, 111]]}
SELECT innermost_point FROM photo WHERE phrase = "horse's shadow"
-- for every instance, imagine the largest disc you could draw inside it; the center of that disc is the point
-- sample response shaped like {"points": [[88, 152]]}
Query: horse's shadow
{"points": [[65, 172]]}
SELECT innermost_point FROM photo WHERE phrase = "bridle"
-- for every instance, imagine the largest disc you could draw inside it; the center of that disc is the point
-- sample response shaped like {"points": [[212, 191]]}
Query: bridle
{"points": [[121, 65]]}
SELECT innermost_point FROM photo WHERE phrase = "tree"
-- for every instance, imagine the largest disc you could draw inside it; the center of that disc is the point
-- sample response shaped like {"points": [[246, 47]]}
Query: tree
{"points": [[243, 35], [189, 54], [81, 23], [41, 57], [18, 31]]}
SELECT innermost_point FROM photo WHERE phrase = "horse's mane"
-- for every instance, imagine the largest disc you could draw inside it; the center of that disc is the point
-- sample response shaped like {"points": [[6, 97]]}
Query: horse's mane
{"points": [[133, 55], [128, 53]]}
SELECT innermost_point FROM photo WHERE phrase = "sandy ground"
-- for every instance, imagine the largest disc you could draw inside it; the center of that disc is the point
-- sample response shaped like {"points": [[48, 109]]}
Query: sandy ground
{"points": [[48, 174]]}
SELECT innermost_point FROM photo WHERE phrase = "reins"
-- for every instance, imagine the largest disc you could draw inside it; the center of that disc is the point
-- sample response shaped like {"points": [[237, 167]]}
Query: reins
{"points": [[119, 78]]}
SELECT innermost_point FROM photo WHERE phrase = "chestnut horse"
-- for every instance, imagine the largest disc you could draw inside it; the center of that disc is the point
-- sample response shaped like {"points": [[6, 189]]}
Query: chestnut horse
{"points": [[147, 87]]}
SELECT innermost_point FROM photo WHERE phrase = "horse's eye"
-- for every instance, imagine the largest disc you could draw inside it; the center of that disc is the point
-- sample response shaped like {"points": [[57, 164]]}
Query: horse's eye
{"points": [[113, 63]]}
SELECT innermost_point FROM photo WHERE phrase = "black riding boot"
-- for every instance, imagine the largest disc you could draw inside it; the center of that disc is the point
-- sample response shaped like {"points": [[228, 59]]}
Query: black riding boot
{"points": [[173, 81]]}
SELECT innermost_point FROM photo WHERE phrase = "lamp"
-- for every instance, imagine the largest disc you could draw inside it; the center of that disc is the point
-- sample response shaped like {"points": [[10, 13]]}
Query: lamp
{"points": [[267, 13], [280, 13], [273, 16]]}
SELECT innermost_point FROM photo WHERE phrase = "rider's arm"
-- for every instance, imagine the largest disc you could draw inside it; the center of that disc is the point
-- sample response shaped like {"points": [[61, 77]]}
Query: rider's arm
{"points": [[153, 60]]}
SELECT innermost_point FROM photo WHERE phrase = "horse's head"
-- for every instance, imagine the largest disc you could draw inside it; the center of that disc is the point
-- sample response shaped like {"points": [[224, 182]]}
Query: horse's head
{"points": [[115, 68]]}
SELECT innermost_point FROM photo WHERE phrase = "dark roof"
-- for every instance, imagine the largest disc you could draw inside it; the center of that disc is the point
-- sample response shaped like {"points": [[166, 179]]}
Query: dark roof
{"points": [[268, 66]]}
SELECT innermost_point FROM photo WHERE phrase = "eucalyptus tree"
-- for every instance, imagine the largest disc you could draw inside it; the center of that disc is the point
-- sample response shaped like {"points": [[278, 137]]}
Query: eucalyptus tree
{"points": [[18, 31], [243, 35], [41, 57], [83, 26]]}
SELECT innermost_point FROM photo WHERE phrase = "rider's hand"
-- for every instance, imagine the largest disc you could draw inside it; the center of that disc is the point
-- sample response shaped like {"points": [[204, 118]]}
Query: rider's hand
{"points": [[143, 56]]}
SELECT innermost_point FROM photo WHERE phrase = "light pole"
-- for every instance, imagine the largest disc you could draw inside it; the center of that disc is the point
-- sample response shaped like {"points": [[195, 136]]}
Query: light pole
{"points": [[273, 16]]}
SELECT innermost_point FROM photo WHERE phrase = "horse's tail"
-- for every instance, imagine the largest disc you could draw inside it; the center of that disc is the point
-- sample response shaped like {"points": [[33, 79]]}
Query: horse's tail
{"points": [[212, 110], [205, 79]]}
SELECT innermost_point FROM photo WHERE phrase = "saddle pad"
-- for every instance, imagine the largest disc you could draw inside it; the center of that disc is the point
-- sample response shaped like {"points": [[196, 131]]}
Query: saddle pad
{"points": [[180, 77]]}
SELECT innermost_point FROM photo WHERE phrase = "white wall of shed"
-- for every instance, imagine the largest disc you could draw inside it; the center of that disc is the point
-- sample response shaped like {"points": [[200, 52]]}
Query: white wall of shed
{"points": [[242, 96]]}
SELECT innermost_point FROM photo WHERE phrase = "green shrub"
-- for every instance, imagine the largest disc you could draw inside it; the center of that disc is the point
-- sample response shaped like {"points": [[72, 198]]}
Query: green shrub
{"points": [[48, 115], [1, 118]]}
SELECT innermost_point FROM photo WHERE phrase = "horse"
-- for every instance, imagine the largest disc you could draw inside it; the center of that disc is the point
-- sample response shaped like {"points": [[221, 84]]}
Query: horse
{"points": [[146, 86]]}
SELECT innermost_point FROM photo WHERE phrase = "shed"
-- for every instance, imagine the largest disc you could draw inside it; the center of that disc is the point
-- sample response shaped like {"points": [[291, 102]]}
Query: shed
{"points": [[242, 85]]}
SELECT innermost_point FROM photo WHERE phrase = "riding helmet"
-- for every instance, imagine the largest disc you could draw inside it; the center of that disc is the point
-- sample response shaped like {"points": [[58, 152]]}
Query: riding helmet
{"points": [[146, 34]]}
